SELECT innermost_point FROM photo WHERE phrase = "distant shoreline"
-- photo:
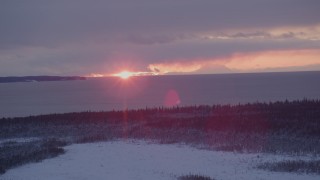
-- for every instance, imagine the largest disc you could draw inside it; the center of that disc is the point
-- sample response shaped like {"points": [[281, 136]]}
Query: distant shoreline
{"points": [[13, 79]]}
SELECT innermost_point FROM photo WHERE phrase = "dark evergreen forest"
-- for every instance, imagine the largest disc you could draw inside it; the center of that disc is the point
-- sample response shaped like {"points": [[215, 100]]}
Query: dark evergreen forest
{"points": [[288, 127]]}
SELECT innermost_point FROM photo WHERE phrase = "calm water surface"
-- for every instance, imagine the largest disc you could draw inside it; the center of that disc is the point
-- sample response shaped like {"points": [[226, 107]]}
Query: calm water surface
{"points": [[96, 94]]}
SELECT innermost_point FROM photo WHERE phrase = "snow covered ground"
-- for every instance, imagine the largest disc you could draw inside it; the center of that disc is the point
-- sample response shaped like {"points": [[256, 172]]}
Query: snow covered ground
{"points": [[139, 160]]}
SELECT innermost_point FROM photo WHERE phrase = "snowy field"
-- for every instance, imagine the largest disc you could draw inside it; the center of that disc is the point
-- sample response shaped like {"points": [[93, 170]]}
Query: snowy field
{"points": [[139, 160]]}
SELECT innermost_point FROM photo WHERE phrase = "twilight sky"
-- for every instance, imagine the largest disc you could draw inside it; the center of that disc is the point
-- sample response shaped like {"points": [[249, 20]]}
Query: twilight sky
{"points": [[93, 37]]}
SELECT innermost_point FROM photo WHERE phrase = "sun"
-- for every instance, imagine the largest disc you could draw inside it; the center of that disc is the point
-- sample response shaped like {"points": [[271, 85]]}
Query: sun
{"points": [[124, 74]]}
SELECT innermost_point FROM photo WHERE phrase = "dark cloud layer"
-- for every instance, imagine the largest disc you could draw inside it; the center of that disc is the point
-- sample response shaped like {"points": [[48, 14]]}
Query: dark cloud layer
{"points": [[61, 34]]}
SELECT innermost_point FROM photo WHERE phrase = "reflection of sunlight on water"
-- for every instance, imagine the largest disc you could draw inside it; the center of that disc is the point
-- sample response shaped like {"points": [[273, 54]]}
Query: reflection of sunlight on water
{"points": [[131, 88], [172, 98]]}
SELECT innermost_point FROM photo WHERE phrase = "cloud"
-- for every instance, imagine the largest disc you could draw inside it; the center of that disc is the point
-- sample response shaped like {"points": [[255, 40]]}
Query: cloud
{"points": [[244, 62], [176, 67], [279, 33], [83, 37], [273, 60], [50, 23], [157, 38]]}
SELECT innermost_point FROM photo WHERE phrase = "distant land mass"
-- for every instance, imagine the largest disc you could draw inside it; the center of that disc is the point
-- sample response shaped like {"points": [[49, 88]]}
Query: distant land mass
{"points": [[13, 79]]}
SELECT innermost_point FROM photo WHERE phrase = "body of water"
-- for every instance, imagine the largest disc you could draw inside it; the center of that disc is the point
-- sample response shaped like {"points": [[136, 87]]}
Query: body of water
{"points": [[101, 94]]}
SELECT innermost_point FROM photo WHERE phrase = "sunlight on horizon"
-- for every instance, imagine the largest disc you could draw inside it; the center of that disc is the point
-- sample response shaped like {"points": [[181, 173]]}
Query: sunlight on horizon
{"points": [[127, 74], [124, 74]]}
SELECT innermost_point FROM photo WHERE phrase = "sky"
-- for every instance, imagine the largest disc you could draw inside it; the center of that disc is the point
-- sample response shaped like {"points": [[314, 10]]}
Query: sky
{"points": [[102, 37]]}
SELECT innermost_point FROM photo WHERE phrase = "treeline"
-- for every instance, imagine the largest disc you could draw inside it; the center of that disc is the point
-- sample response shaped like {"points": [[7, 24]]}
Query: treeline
{"points": [[274, 126], [14, 154], [12, 79], [301, 116]]}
